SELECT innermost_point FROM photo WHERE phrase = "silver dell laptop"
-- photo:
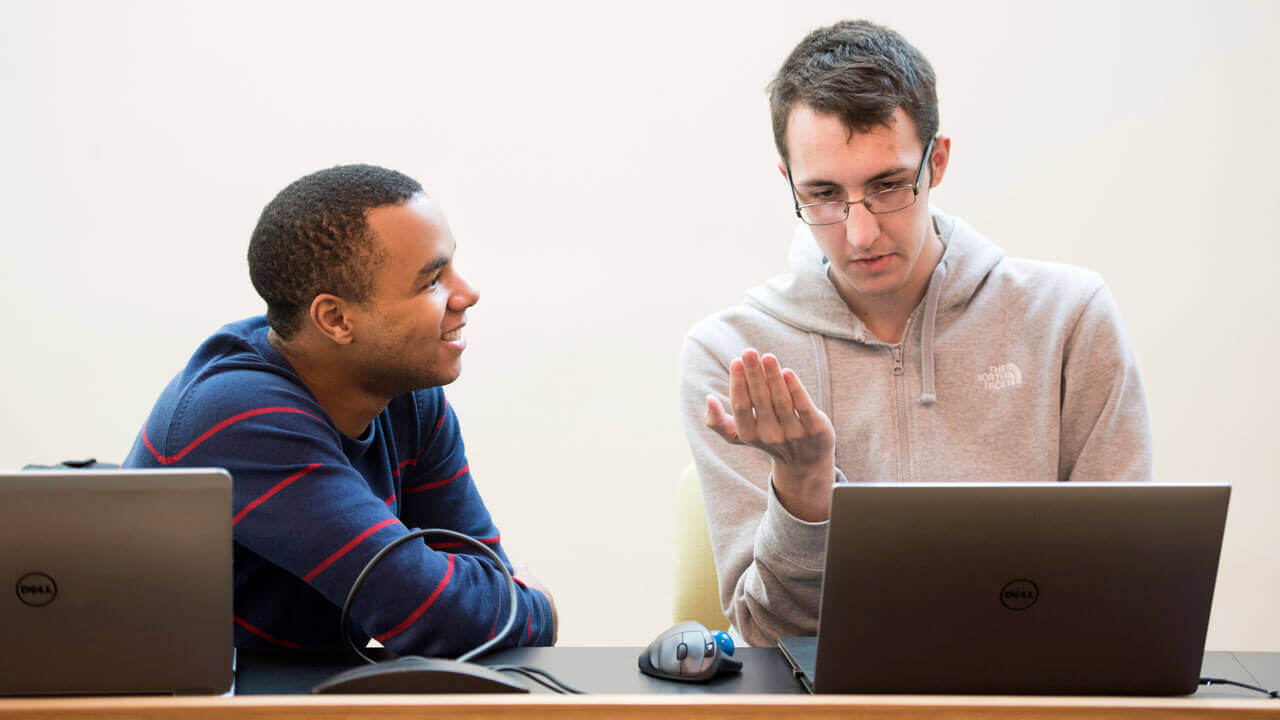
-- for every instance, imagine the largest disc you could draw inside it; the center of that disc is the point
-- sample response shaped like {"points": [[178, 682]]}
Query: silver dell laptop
{"points": [[1040, 588], [115, 582]]}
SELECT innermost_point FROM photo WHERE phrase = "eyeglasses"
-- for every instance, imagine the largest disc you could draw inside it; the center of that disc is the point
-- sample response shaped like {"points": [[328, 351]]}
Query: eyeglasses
{"points": [[877, 203]]}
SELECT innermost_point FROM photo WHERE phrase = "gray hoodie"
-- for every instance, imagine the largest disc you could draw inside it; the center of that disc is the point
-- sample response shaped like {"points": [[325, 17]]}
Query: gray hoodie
{"points": [[1008, 370]]}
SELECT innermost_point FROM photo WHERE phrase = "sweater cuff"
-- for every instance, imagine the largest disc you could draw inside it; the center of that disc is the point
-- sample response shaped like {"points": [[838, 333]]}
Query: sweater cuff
{"points": [[782, 536], [546, 620]]}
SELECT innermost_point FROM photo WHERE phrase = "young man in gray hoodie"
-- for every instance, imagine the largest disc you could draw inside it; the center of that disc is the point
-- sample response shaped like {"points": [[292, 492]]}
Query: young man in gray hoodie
{"points": [[903, 346]]}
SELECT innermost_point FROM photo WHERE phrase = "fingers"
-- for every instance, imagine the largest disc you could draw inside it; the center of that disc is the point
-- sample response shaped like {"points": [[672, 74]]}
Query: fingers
{"points": [[757, 384], [803, 404], [767, 426], [720, 421], [740, 397], [770, 405], [780, 396]]}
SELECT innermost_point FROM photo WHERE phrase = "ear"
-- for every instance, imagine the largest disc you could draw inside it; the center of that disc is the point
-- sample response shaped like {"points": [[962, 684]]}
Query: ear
{"points": [[938, 163], [782, 168], [332, 317]]}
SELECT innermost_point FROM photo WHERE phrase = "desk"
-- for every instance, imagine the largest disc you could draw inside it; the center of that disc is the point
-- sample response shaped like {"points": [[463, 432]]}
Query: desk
{"points": [[623, 692]]}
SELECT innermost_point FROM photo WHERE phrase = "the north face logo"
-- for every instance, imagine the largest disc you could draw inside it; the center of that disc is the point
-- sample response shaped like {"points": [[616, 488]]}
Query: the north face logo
{"points": [[999, 377]]}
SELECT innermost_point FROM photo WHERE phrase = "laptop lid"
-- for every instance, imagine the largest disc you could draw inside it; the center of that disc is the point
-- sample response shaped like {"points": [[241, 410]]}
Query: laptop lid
{"points": [[115, 582], [1058, 588]]}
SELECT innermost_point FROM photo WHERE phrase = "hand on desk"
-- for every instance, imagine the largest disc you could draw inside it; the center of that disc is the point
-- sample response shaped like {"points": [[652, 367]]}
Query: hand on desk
{"points": [[521, 573]]}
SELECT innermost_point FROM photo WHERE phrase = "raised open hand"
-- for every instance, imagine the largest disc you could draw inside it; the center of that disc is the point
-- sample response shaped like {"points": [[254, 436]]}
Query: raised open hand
{"points": [[773, 412]]}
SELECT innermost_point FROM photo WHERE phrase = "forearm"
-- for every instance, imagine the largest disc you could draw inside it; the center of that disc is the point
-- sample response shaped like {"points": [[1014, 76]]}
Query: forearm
{"points": [[777, 595], [765, 505]]}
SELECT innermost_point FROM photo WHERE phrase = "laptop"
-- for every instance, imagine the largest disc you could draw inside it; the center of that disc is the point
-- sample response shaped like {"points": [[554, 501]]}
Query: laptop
{"points": [[1015, 588], [115, 582]]}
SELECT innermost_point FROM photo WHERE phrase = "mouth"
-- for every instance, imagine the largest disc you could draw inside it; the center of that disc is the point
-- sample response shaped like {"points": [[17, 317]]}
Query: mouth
{"points": [[453, 335], [874, 263]]}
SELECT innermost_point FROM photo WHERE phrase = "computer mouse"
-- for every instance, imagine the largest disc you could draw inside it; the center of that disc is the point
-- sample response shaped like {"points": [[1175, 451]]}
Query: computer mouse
{"points": [[412, 674], [689, 652]]}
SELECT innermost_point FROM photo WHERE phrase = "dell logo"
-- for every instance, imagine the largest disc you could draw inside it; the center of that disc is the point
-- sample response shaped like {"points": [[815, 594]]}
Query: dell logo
{"points": [[36, 589], [1019, 594]]}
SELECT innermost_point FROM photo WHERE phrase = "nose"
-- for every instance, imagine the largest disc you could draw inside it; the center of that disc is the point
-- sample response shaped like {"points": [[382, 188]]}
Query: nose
{"points": [[862, 228], [463, 294]]}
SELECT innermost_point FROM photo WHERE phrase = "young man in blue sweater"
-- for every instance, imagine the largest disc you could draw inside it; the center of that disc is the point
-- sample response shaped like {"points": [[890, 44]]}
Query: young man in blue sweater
{"points": [[330, 417]]}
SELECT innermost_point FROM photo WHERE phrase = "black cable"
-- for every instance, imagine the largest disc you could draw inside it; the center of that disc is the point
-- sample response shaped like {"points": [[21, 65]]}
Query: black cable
{"points": [[1207, 681], [466, 539], [537, 675], [530, 676], [546, 679]]}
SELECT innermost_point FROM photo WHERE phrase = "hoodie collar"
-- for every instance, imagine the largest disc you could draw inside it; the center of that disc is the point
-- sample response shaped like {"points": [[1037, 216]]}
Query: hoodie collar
{"points": [[806, 299]]}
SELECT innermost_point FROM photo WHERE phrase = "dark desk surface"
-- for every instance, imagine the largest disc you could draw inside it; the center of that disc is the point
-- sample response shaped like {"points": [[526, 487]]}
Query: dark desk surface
{"points": [[593, 669], [612, 670], [273, 685]]}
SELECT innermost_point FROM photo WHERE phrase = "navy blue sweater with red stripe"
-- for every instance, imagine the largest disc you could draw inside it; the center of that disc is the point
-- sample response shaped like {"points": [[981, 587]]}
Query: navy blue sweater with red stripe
{"points": [[312, 506]]}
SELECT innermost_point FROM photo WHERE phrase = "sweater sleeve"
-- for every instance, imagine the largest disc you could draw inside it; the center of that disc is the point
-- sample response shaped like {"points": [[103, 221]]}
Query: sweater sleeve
{"points": [[1106, 426], [768, 562], [300, 505], [440, 492]]}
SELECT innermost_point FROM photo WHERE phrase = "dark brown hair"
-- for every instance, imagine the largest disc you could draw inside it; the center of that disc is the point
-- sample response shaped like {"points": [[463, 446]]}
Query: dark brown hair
{"points": [[859, 71]]}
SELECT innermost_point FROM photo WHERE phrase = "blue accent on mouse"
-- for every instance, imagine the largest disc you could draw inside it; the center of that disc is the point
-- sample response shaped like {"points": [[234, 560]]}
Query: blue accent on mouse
{"points": [[723, 640]]}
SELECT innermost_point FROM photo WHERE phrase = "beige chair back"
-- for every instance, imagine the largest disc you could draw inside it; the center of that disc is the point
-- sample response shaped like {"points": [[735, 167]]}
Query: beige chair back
{"points": [[697, 595]]}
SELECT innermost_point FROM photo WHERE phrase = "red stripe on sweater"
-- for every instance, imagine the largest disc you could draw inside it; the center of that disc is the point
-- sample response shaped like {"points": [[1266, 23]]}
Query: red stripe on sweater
{"points": [[414, 460], [458, 543], [390, 499], [347, 548], [496, 617], [443, 413], [448, 574], [411, 461], [529, 633], [267, 495], [171, 459], [283, 643], [438, 483]]}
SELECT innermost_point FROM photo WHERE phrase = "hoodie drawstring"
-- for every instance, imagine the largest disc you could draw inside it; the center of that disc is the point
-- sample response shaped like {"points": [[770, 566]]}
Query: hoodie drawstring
{"points": [[929, 395]]}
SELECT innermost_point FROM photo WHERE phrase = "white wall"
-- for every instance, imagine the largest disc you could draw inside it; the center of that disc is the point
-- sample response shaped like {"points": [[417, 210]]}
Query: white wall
{"points": [[609, 172]]}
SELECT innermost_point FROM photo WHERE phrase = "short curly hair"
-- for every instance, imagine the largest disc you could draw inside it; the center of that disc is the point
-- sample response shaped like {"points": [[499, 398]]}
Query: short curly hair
{"points": [[860, 72], [314, 238]]}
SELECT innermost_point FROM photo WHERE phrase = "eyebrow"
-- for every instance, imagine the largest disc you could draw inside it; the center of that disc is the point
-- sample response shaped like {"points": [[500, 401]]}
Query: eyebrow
{"points": [[436, 264], [433, 266], [817, 183]]}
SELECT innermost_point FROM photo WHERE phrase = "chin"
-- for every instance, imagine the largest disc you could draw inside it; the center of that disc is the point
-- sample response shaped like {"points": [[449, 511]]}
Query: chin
{"points": [[876, 286], [877, 289], [426, 379], [446, 376]]}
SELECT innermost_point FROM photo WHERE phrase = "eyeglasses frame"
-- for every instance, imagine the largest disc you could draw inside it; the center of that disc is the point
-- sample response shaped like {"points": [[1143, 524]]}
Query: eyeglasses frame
{"points": [[915, 193]]}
